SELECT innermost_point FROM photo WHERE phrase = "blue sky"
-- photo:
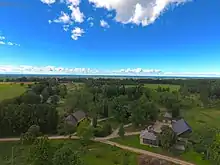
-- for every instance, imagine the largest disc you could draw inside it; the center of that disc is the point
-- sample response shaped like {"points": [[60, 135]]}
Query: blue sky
{"points": [[178, 37]]}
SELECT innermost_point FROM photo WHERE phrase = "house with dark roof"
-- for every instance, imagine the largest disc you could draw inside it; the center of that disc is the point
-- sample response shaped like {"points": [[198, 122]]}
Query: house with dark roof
{"points": [[75, 118], [181, 127], [149, 138]]}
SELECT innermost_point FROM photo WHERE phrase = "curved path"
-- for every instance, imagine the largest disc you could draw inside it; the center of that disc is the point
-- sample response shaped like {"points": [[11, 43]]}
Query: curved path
{"points": [[105, 140]]}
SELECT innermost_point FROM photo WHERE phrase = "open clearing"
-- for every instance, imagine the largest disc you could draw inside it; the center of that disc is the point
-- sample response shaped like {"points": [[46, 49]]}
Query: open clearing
{"points": [[201, 118], [97, 153], [8, 91], [155, 86], [134, 141]]}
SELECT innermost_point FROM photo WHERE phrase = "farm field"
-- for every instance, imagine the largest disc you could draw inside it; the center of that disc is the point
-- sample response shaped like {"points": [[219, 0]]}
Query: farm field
{"points": [[98, 154], [199, 118], [155, 86], [8, 91], [134, 141]]}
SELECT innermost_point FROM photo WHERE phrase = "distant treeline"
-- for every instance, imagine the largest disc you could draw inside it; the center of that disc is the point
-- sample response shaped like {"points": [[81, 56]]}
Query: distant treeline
{"points": [[102, 81]]}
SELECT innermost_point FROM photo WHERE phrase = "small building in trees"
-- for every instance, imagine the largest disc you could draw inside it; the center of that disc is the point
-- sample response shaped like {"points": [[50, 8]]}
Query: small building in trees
{"points": [[149, 138], [167, 117], [75, 118]]}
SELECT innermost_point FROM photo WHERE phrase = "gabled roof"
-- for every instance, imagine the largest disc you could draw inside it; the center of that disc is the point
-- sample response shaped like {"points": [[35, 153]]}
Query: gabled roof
{"points": [[167, 115], [79, 115], [70, 119], [180, 126], [145, 134]]}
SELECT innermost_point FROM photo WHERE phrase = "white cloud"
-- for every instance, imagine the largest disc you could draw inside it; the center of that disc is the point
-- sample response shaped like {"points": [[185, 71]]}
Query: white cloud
{"points": [[26, 69], [76, 33], [66, 27], [49, 2], [50, 21], [76, 14], [2, 43], [142, 12], [2, 38], [63, 18], [10, 43], [91, 24], [73, 2], [104, 24]]}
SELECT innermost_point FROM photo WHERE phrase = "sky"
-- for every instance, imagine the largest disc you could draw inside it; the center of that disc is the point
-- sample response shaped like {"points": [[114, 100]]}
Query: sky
{"points": [[117, 37]]}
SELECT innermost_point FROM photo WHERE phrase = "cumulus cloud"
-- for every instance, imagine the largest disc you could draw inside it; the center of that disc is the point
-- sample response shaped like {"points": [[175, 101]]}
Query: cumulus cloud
{"points": [[2, 43], [76, 14], [49, 2], [142, 12], [104, 24], [73, 2], [63, 18], [2, 38], [76, 33], [135, 12]]}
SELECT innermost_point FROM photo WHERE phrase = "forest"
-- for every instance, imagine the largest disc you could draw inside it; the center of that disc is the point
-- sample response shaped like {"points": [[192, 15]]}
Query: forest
{"points": [[42, 109]]}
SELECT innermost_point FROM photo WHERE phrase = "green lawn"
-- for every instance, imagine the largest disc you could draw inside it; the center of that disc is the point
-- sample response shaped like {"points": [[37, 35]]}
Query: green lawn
{"points": [[8, 91], [97, 153], [134, 141], [155, 86], [199, 118]]}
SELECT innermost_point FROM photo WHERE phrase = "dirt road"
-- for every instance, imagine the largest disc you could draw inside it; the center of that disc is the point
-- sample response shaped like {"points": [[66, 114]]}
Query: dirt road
{"points": [[105, 140]]}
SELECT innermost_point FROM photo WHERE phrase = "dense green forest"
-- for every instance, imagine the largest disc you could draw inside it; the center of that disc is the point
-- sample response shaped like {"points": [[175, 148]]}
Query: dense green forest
{"points": [[42, 110]]}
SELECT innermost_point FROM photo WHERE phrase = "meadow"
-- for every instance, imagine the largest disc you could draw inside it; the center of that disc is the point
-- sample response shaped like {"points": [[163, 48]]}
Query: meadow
{"points": [[155, 86], [200, 118], [10, 90], [96, 154]]}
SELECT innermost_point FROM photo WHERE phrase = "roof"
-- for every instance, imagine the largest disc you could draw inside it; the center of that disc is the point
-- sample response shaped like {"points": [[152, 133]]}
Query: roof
{"points": [[79, 115], [70, 119], [167, 115], [180, 126], [145, 134]]}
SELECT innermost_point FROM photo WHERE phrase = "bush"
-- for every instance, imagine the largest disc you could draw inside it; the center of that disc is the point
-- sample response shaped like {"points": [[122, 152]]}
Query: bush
{"points": [[22, 84], [103, 131]]}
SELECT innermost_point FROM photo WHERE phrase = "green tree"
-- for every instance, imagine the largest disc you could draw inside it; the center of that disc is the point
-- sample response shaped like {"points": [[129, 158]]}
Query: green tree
{"points": [[94, 121], [41, 152], [85, 132], [167, 137], [66, 156], [121, 131], [214, 150], [45, 94]]}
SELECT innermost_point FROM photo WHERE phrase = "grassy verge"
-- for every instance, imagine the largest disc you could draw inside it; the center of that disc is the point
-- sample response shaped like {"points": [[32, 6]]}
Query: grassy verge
{"points": [[97, 153]]}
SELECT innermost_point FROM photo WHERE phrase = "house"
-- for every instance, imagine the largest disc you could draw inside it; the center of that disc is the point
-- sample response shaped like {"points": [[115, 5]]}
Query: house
{"points": [[181, 127], [167, 117], [149, 138], [75, 118]]}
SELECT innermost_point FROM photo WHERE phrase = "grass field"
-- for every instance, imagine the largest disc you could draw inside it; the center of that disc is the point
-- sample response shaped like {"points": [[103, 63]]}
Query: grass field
{"points": [[134, 141], [155, 86], [97, 153], [8, 91], [200, 118]]}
